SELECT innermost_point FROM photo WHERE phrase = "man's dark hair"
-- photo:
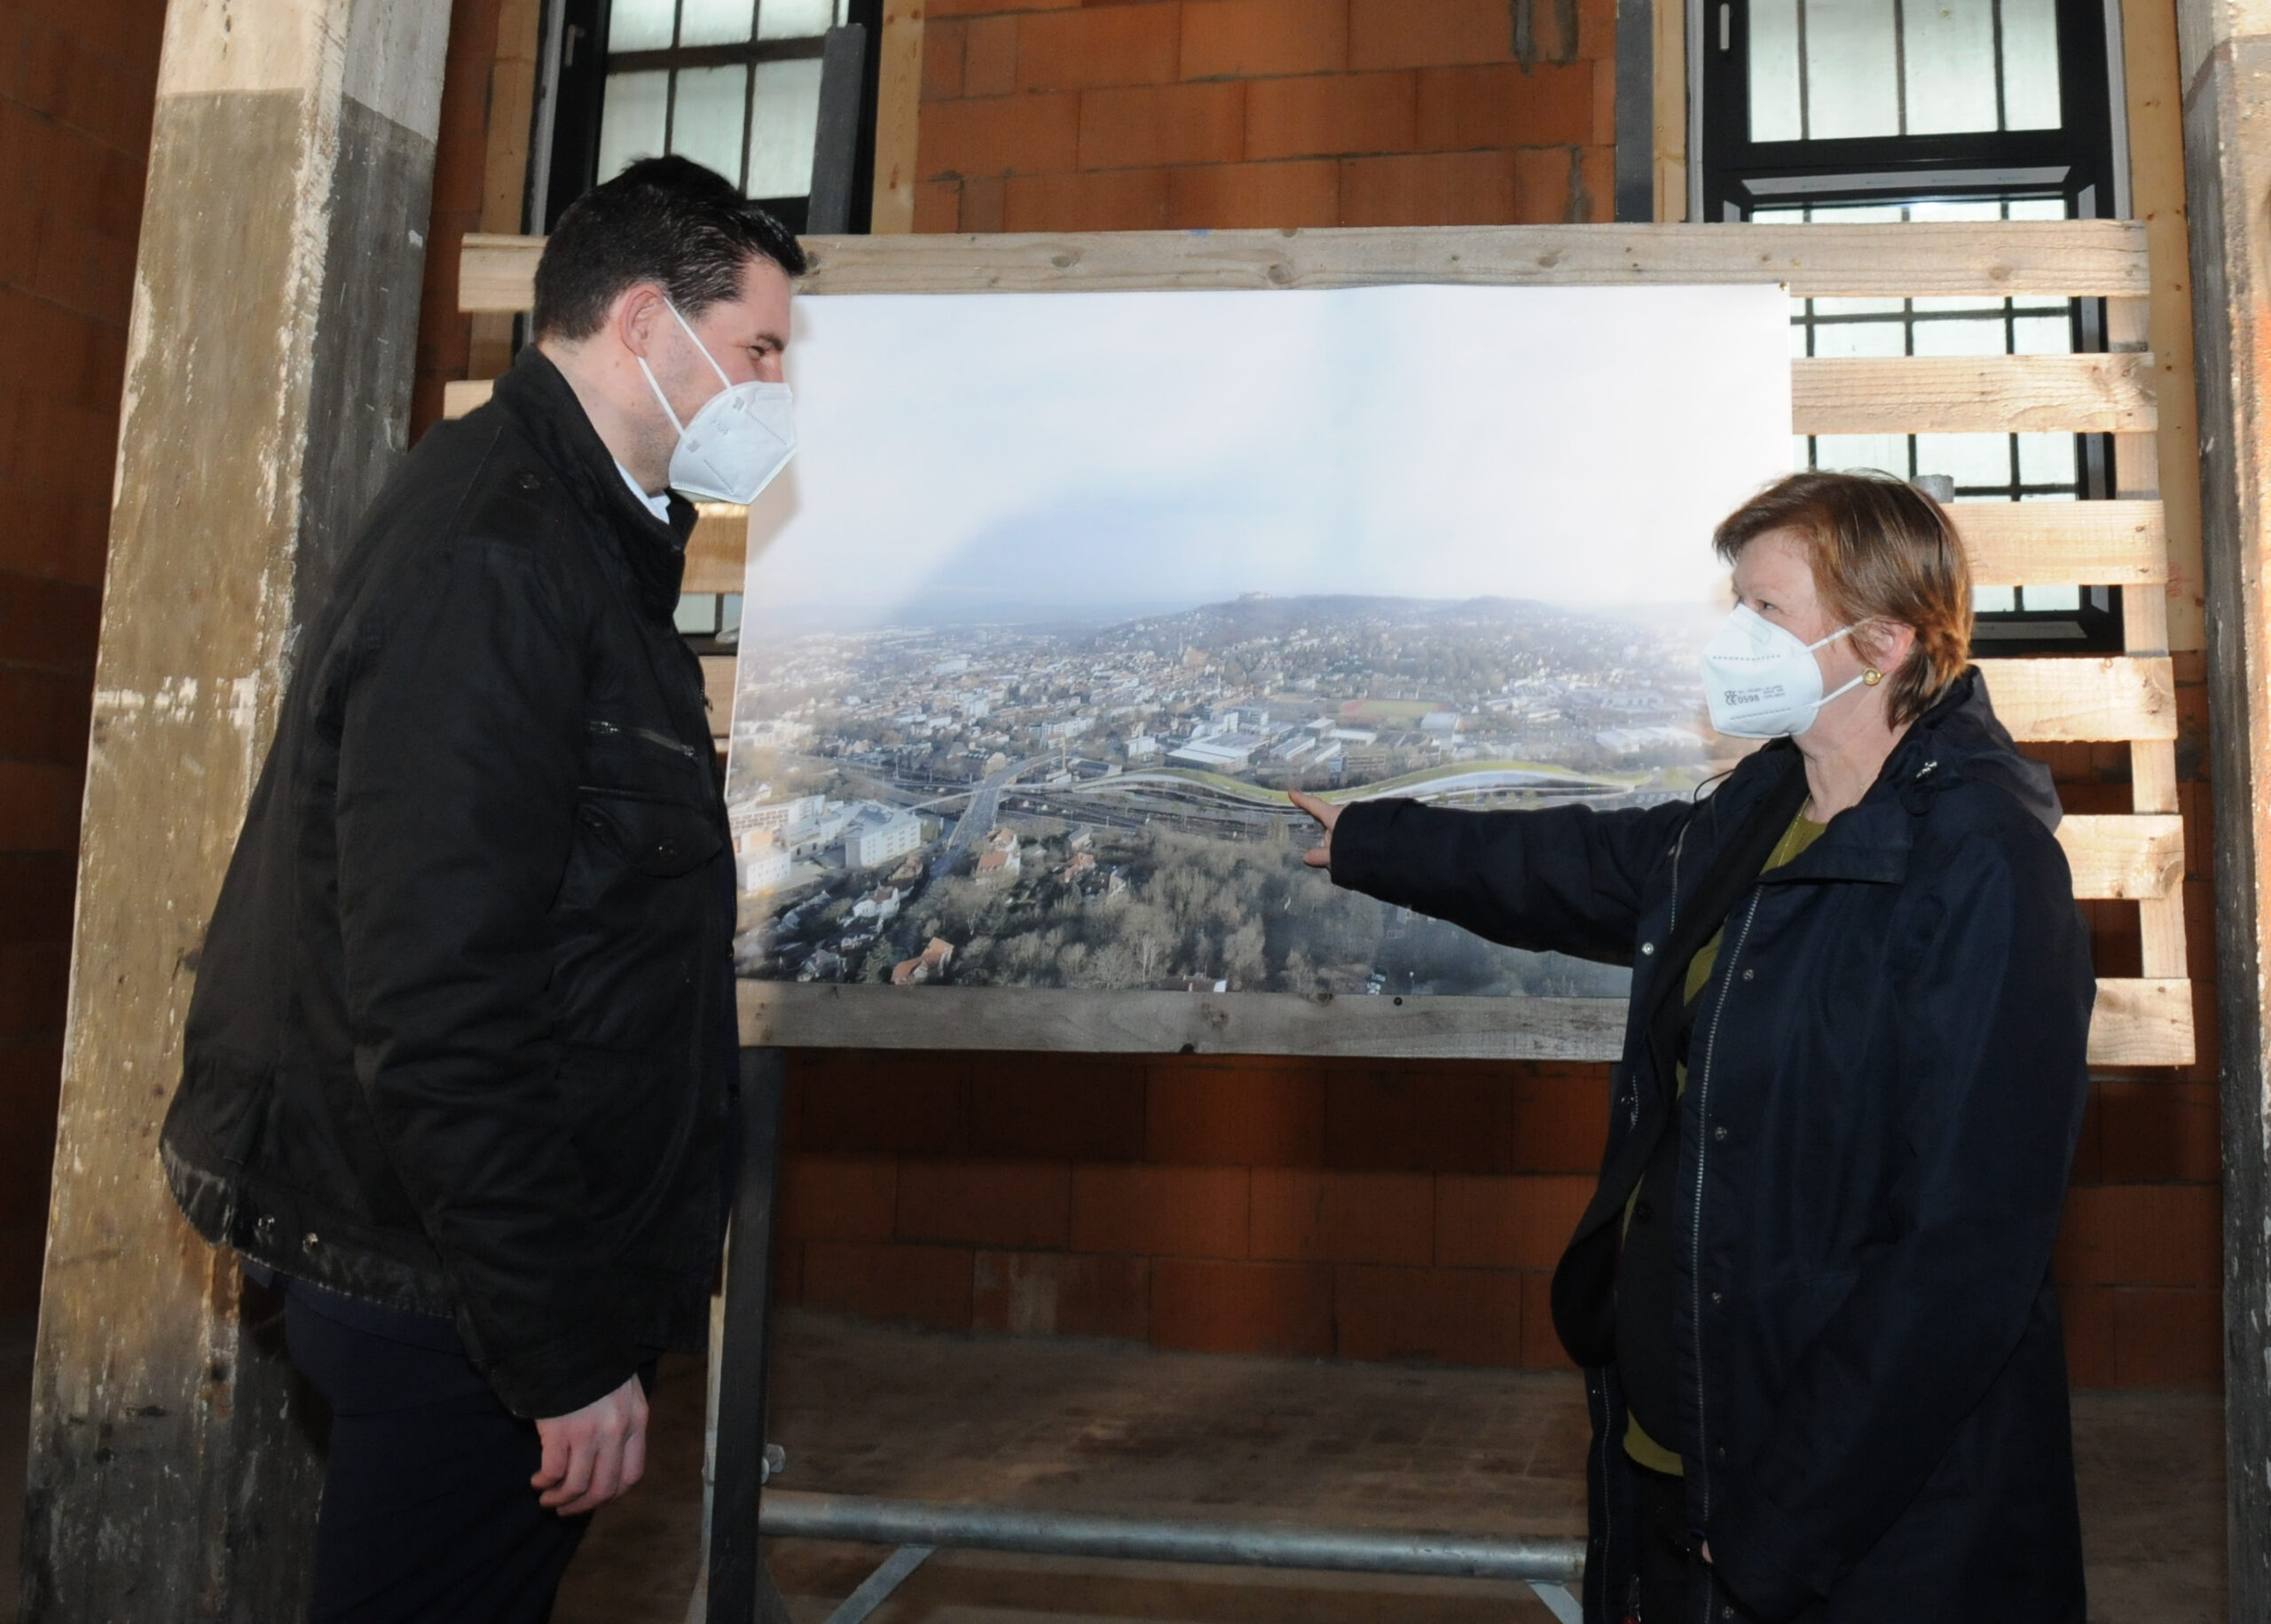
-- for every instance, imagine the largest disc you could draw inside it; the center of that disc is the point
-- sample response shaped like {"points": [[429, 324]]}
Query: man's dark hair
{"points": [[662, 220]]}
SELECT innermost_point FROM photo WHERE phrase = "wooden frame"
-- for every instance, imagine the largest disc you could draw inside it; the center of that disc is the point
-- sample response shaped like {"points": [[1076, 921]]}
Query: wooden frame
{"points": [[2128, 698]]}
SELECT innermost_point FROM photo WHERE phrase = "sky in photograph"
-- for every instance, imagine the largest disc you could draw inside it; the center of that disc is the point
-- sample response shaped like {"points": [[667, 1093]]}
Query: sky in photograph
{"points": [[995, 456]]}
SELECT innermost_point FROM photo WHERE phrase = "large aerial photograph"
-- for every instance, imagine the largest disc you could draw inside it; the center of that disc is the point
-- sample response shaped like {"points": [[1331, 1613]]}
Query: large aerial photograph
{"points": [[1065, 593]]}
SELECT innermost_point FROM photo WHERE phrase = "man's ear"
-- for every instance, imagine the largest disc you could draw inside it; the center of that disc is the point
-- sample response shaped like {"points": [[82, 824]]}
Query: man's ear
{"points": [[638, 310]]}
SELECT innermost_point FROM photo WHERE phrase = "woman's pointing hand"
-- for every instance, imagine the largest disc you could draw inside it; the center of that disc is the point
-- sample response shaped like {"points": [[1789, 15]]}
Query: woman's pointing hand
{"points": [[1318, 856]]}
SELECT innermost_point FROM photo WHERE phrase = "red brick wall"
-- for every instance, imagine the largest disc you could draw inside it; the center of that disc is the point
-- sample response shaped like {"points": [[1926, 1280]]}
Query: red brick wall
{"points": [[77, 82], [1319, 1207], [1053, 115]]}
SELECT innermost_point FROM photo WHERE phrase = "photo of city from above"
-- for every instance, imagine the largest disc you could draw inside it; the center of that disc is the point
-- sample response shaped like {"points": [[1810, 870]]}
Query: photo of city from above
{"points": [[1104, 806], [1064, 594]]}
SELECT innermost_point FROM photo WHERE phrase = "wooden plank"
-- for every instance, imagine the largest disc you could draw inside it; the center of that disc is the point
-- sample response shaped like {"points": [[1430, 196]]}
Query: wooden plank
{"points": [[2072, 698], [899, 98], [2096, 257], [2008, 544], [718, 690], [2058, 543], [717, 551], [2121, 858], [2141, 1022], [2137, 1023], [2080, 394], [460, 396]]}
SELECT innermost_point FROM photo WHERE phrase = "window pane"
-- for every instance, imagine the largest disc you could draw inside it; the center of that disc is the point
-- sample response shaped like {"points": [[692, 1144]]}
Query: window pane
{"points": [[2030, 65], [1886, 454], [1774, 71], [2036, 208], [708, 126], [1936, 211], [714, 22], [1949, 63], [2047, 459], [1969, 459], [1982, 337], [630, 122], [639, 24], [1850, 89], [2042, 335], [1995, 600], [793, 20], [1860, 338], [785, 114], [2067, 598]]}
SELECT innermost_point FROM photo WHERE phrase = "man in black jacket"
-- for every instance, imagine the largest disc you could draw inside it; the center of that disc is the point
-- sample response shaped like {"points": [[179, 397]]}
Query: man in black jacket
{"points": [[458, 1062]]}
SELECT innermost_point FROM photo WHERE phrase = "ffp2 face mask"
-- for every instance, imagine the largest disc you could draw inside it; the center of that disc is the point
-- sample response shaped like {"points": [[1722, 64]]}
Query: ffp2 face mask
{"points": [[1760, 681], [739, 439]]}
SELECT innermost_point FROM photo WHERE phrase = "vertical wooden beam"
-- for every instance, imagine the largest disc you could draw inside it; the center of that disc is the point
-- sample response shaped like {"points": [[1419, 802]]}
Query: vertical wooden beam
{"points": [[2156, 198], [267, 392], [2226, 52], [899, 114], [1670, 64]]}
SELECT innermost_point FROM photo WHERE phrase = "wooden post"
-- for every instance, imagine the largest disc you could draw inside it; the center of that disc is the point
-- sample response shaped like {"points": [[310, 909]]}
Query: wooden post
{"points": [[267, 393], [2226, 56]]}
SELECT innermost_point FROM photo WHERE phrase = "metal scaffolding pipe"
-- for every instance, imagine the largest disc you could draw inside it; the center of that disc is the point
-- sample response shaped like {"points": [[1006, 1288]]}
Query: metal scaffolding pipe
{"points": [[789, 1515]]}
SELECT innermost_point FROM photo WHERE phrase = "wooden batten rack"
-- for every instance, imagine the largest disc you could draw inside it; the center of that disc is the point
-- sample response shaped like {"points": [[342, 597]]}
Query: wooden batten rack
{"points": [[2130, 698]]}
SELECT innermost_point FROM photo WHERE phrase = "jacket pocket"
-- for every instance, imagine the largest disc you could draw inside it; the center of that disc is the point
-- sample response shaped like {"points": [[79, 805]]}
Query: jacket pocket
{"points": [[655, 835]]}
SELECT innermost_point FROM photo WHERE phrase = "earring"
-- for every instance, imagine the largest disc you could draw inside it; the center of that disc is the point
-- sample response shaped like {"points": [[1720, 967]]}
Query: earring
{"points": [[1870, 679]]}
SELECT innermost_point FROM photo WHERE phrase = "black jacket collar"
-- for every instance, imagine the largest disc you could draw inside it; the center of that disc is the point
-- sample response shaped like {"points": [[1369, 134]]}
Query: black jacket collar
{"points": [[542, 406], [1958, 739]]}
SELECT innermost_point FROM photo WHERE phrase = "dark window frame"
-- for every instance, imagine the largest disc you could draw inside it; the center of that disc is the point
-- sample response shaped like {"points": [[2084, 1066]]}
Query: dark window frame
{"points": [[2079, 163], [581, 73]]}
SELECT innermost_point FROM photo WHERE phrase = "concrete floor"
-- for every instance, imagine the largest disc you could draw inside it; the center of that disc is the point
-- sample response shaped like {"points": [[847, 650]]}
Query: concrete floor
{"points": [[1111, 1427]]}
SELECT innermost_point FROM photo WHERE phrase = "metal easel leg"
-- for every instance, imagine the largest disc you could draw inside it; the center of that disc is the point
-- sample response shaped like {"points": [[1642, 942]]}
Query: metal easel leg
{"points": [[740, 1592]]}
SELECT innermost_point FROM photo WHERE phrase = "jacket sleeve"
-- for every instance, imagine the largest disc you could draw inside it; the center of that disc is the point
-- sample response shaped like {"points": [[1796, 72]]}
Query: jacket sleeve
{"points": [[459, 751], [1567, 879], [1995, 1026]]}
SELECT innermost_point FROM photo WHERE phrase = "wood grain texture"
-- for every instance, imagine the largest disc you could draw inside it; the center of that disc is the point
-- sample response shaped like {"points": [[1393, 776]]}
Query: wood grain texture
{"points": [[2080, 394], [2076, 698], [718, 690], [716, 553], [2057, 544], [2122, 857], [2137, 1023], [2008, 544], [2096, 257]]}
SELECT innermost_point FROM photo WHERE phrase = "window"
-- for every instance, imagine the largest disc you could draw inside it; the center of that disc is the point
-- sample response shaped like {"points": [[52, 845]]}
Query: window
{"points": [[734, 85], [1817, 101], [1893, 111]]}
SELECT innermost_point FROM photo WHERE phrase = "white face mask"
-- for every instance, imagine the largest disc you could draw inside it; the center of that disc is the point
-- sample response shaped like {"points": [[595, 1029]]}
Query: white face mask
{"points": [[741, 436], [1760, 681]]}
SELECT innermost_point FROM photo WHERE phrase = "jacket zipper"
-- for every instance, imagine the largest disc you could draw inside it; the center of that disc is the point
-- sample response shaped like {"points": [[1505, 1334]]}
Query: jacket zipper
{"points": [[610, 729], [1702, 1159]]}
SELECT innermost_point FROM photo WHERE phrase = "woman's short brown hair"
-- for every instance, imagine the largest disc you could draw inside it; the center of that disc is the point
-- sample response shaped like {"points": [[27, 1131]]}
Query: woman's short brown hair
{"points": [[1881, 550]]}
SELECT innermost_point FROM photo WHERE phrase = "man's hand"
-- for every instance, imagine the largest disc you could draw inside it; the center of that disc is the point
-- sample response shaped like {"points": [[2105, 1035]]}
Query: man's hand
{"points": [[1318, 856], [595, 1454]]}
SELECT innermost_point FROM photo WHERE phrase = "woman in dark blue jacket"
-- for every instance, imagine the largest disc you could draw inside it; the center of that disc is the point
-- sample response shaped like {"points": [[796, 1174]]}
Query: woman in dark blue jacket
{"points": [[1812, 1294]]}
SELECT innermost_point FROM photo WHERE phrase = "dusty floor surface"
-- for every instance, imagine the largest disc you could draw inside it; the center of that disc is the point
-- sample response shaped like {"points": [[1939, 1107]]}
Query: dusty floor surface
{"points": [[1110, 1427]]}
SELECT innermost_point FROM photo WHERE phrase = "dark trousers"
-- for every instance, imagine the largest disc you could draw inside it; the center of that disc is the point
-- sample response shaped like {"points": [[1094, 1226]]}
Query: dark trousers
{"points": [[428, 1514]]}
